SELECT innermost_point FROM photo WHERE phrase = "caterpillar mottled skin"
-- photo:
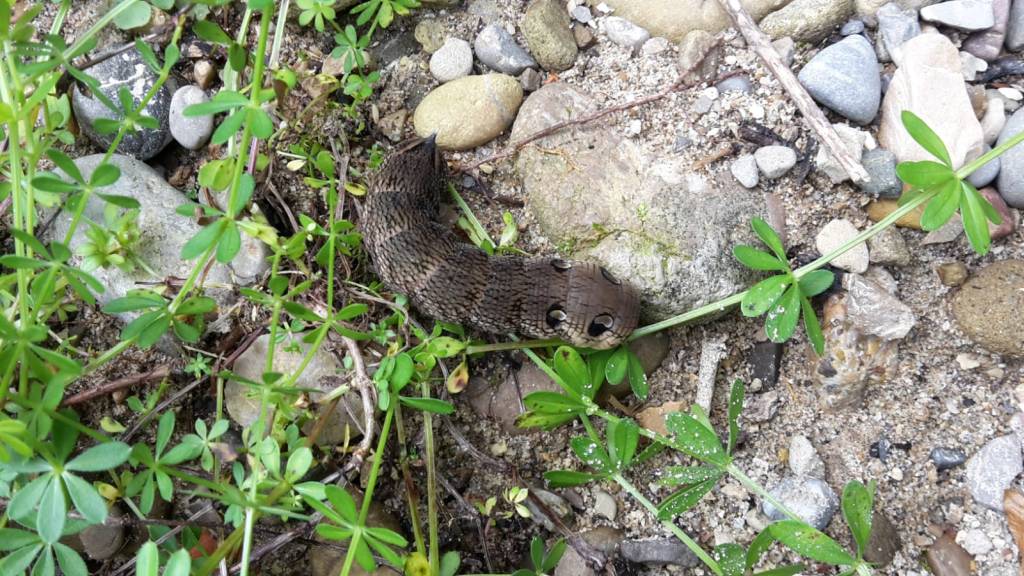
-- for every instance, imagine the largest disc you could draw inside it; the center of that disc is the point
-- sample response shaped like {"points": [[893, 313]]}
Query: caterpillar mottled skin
{"points": [[578, 302]]}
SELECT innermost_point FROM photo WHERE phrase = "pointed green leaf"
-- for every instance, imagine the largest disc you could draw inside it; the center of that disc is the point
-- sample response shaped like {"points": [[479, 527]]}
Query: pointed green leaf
{"points": [[975, 220], [147, 561], [806, 541], [925, 136], [203, 239], [757, 259], [780, 321], [432, 405], [696, 439], [941, 208], [567, 478], [769, 237], [816, 282], [592, 454], [86, 499], [680, 475], [812, 326], [623, 437], [730, 558], [683, 499], [924, 175], [735, 407], [569, 365], [100, 457], [857, 504], [618, 362], [637, 376], [763, 295], [52, 512]]}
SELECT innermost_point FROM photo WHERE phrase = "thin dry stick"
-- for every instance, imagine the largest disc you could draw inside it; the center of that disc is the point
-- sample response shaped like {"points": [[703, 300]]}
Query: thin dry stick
{"points": [[158, 373], [685, 79], [816, 121]]}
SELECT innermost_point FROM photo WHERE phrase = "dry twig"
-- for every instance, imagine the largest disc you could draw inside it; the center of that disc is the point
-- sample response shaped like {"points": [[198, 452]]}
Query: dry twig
{"points": [[158, 373]]}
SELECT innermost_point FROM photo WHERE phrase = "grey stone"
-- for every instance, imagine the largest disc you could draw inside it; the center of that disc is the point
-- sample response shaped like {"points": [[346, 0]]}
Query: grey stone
{"points": [[395, 47], [987, 44], [547, 32], [678, 253], [853, 140], [530, 80], [880, 165], [993, 121], [992, 470], [486, 10], [809, 498], [582, 14], [163, 234], [844, 77], [583, 37], [625, 33], [738, 83], [1015, 26], [1011, 171], [968, 15], [975, 542], [604, 504], [100, 541], [971, 65], [453, 60], [655, 46], [786, 49], [946, 458], [884, 542], [990, 307], [835, 234], [873, 310], [469, 111], [774, 161], [764, 363], [804, 459], [659, 551], [744, 169], [987, 173], [896, 25], [929, 81], [322, 373], [888, 247], [852, 27], [807, 20], [703, 104], [498, 50], [125, 70], [192, 132]]}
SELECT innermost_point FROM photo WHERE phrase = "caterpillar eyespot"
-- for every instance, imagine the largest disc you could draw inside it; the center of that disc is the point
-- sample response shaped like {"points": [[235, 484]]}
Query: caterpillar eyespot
{"points": [[456, 282]]}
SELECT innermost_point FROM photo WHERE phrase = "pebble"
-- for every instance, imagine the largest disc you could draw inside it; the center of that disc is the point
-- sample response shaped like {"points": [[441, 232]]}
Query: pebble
{"points": [[453, 60], [555, 503], [774, 161], [700, 46], [625, 33], [946, 558], [738, 83], [204, 73], [888, 248], [1011, 173], [884, 542], [874, 310], [469, 111], [809, 498], [853, 140], [1011, 218], [100, 541], [952, 273], [987, 173], [786, 49], [659, 551], [604, 504], [967, 15], [762, 407], [530, 80], [992, 470], [764, 363], [852, 27], [879, 209], [655, 46], [970, 66], [990, 307], [192, 132], [835, 234], [582, 14], [946, 458], [896, 25], [880, 165], [987, 44], [807, 20], [126, 70], [546, 29], [583, 36], [744, 168], [804, 459], [496, 48], [844, 77], [974, 541], [431, 35], [703, 106], [930, 83], [994, 119], [1015, 27]]}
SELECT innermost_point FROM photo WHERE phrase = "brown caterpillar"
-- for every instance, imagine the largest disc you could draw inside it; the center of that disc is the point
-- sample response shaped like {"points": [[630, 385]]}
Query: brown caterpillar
{"points": [[451, 281]]}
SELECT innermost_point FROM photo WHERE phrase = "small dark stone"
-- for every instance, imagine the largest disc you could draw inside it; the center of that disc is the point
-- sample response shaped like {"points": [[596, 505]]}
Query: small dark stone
{"points": [[946, 458], [764, 362], [884, 542], [881, 449], [659, 551], [401, 44], [468, 182]]}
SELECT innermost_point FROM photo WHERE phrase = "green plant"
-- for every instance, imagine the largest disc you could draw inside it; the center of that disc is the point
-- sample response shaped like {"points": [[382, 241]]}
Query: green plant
{"points": [[316, 11], [544, 561], [140, 12]]}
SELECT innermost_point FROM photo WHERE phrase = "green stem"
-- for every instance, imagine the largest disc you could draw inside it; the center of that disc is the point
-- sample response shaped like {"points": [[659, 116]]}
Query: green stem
{"points": [[364, 511], [95, 29], [757, 489], [675, 530], [515, 345], [410, 497], [987, 157], [432, 529]]}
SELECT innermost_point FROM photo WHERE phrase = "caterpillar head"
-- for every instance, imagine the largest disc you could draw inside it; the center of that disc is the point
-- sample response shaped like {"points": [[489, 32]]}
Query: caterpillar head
{"points": [[599, 311], [417, 165]]}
